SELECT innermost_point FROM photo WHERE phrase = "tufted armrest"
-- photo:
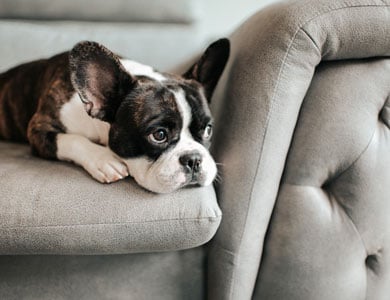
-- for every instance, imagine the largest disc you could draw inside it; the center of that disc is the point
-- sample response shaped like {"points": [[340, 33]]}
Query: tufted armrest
{"points": [[274, 56]]}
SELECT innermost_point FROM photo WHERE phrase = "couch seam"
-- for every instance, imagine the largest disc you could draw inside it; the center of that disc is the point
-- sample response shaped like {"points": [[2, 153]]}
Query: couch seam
{"points": [[320, 14], [282, 67], [312, 40], [333, 9], [212, 219]]}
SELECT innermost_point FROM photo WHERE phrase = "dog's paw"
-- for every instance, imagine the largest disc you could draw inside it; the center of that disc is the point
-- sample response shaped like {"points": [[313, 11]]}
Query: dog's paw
{"points": [[105, 166]]}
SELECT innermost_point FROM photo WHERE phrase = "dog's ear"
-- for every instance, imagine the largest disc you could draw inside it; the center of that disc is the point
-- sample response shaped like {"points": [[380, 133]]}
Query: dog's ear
{"points": [[99, 78], [210, 66]]}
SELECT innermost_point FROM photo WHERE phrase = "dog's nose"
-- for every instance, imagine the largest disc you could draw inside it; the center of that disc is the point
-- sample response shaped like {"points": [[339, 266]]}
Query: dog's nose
{"points": [[191, 161]]}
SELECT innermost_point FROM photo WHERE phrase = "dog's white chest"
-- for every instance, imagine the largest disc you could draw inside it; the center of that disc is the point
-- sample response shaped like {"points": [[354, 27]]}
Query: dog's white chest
{"points": [[77, 121]]}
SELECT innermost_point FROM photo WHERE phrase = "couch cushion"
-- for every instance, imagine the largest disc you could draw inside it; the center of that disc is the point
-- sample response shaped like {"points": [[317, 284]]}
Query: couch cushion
{"points": [[49, 207], [177, 11], [162, 46]]}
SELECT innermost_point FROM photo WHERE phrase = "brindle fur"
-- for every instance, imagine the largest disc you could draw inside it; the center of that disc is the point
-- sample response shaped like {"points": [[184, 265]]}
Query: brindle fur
{"points": [[32, 94], [30, 97]]}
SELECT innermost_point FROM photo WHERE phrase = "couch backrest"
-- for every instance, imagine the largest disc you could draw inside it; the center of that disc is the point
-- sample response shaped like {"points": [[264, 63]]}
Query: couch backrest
{"points": [[330, 229], [173, 11], [155, 32]]}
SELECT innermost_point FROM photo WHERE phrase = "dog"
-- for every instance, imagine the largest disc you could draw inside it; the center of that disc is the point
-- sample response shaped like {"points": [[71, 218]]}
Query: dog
{"points": [[116, 117]]}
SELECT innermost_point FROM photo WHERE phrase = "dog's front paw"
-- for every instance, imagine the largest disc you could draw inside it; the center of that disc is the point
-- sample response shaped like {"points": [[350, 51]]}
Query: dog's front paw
{"points": [[105, 166]]}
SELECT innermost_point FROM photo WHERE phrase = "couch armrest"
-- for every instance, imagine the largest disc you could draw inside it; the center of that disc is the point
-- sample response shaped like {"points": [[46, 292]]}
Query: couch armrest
{"points": [[274, 55], [51, 207]]}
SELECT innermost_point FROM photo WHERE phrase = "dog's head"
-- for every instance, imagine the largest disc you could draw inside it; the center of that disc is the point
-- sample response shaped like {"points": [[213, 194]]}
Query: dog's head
{"points": [[161, 125]]}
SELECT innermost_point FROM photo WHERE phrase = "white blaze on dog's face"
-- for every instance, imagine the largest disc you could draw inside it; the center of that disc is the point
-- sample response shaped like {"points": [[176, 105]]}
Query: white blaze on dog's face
{"points": [[160, 124], [185, 162]]}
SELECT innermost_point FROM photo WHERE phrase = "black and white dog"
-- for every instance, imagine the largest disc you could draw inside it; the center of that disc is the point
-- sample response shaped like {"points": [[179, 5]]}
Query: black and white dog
{"points": [[116, 117]]}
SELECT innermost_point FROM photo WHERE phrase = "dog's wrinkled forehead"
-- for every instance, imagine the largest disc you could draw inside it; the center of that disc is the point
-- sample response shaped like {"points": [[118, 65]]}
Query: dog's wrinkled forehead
{"points": [[171, 98], [157, 113], [152, 99]]}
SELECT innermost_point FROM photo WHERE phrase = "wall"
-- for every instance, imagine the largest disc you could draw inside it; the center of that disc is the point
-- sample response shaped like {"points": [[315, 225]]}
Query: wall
{"points": [[220, 17]]}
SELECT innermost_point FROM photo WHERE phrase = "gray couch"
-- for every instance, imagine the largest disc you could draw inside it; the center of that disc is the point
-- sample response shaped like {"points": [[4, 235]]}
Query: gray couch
{"points": [[303, 138]]}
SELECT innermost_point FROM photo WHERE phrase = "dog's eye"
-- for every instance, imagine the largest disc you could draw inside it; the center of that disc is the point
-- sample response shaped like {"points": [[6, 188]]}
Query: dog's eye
{"points": [[160, 136], [208, 132]]}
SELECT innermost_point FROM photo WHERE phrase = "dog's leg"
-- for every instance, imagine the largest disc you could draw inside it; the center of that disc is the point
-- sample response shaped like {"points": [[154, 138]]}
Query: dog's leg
{"points": [[48, 140], [42, 135], [99, 161]]}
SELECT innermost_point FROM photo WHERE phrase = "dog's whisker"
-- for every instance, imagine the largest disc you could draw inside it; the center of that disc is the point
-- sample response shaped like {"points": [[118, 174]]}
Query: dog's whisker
{"points": [[218, 178]]}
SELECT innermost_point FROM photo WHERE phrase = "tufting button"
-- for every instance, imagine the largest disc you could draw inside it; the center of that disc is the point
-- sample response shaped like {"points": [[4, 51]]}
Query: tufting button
{"points": [[384, 114], [373, 261]]}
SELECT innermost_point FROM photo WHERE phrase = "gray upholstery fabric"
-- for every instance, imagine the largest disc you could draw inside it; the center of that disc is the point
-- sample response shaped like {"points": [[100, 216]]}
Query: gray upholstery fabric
{"points": [[330, 230], [162, 276], [103, 217], [49, 207], [159, 45], [323, 226], [274, 55], [178, 11], [100, 213]]}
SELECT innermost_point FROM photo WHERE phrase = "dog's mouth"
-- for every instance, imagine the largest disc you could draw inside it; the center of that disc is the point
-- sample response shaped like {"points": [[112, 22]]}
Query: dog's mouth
{"points": [[183, 179], [194, 179], [191, 181], [169, 174]]}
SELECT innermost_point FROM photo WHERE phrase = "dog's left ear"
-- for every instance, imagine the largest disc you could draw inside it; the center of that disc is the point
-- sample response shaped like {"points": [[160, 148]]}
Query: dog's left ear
{"points": [[99, 78], [210, 66]]}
